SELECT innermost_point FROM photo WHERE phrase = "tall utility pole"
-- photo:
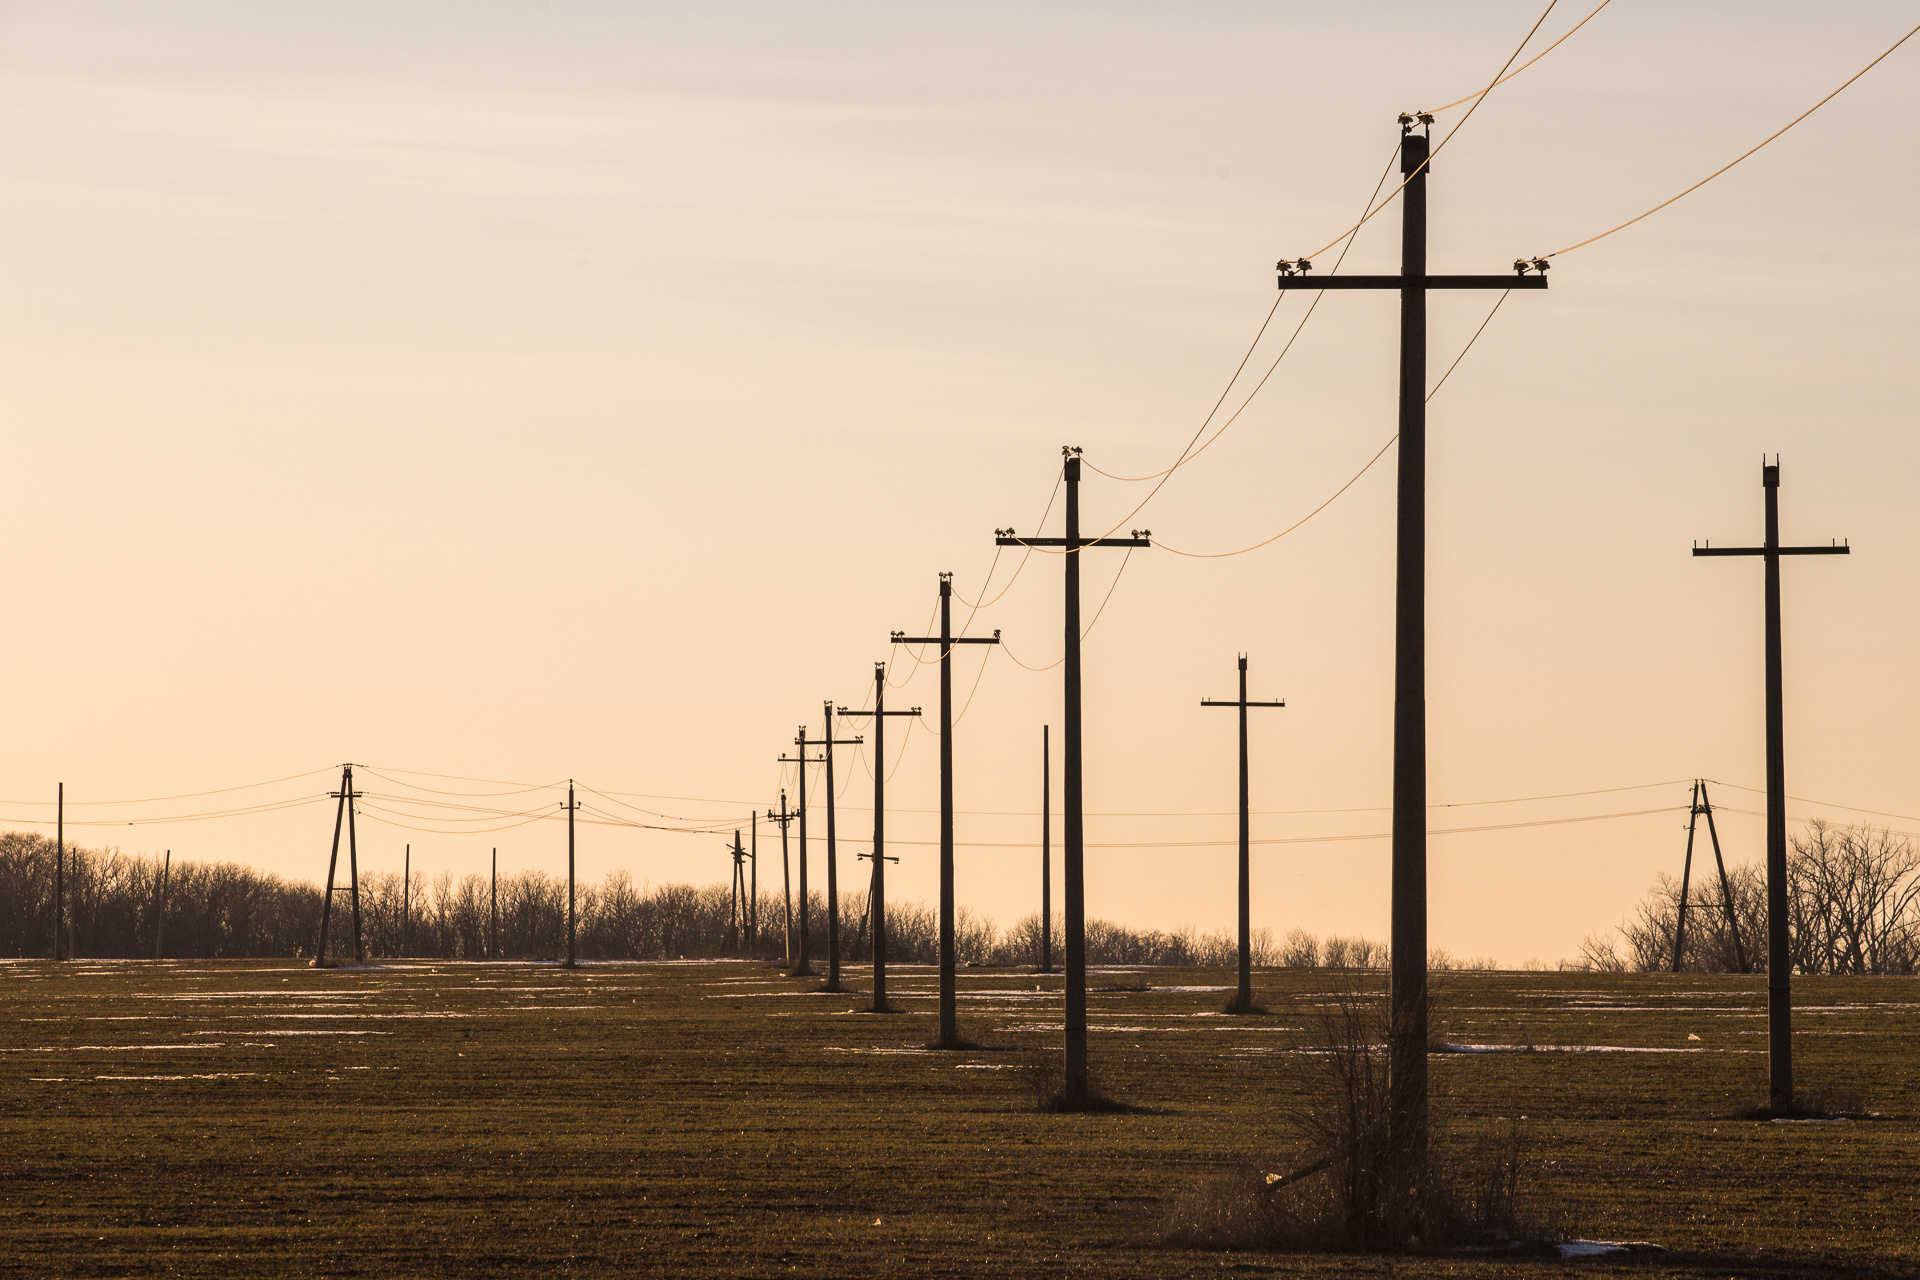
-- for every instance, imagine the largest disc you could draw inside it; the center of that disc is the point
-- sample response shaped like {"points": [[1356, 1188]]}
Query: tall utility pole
{"points": [[877, 895], [783, 817], [572, 806], [493, 908], [59, 867], [160, 910], [828, 743], [1697, 806], [1074, 1084], [1779, 957], [1407, 1039], [346, 795], [949, 1012], [406, 897], [1243, 1002], [802, 968], [1046, 854], [753, 915]]}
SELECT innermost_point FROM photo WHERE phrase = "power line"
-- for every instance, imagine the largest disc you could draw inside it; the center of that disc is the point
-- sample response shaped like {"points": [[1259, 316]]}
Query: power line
{"points": [[1743, 155], [1523, 66]]}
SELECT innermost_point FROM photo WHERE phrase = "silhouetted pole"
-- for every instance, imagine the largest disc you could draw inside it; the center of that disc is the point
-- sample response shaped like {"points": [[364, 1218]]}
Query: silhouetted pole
{"points": [[1243, 1003], [949, 1011], [1726, 885], [160, 912], [734, 904], [493, 908], [783, 817], [1686, 876], [1779, 955], [1074, 1084], [342, 815], [753, 855], [406, 897], [1407, 1042], [353, 872], [1046, 854], [833, 857], [803, 968], [572, 806], [59, 866], [877, 893]]}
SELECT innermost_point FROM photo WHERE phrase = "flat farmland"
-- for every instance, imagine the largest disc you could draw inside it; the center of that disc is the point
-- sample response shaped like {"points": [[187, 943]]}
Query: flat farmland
{"points": [[720, 1119]]}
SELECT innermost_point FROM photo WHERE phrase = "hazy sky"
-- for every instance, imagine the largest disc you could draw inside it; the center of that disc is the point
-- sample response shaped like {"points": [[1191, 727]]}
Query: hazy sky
{"points": [[524, 391]]}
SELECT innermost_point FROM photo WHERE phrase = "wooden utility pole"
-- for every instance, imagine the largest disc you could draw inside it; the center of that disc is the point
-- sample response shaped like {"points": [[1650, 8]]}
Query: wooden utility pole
{"points": [[877, 894], [783, 817], [406, 897], [1696, 807], [1046, 854], [346, 795], [1243, 1002], [1407, 1037], [1779, 955], [493, 909], [736, 894], [160, 907], [59, 867], [753, 856], [572, 807], [949, 1011], [828, 743], [1074, 1084], [802, 968]]}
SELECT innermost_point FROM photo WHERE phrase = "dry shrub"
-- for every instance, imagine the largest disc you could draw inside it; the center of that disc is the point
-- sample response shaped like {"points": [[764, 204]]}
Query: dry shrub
{"points": [[1340, 1186]]}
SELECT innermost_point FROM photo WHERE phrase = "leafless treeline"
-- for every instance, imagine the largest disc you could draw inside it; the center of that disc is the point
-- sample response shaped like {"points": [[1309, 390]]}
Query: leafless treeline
{"points": [[230, 910], [1853, 900], [212, 909]]}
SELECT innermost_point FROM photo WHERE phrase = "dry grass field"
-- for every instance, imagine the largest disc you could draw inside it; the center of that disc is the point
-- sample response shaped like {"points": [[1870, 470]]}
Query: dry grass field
{"points": [[719, 1119]]}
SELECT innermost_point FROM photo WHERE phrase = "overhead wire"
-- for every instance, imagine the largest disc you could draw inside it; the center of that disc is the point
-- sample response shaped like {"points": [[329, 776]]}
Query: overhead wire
{"points": [[1477, 98], [1221, 555], [1743, 155], [185, 795], [1529, 62]]}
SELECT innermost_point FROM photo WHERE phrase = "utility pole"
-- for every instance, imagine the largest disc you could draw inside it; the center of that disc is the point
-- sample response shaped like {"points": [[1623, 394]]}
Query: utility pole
{"points": [[753, 856], [406, 897], [949, 1011], [827, 744], [1407, 1039], [1779, 956], [59, 866], [346, 795], [1074, 1084], [803, 968], [572, 807], [877, 895], [1243, 1002], [1046, 853], [1697, 806], [734, 895], [783, 817], [493, 909], [160, 911]]}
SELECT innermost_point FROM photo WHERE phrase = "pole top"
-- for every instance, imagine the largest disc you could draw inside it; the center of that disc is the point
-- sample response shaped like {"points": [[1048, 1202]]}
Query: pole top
{"points": [[1243, 662], [1769, 474], [1413, 154]]}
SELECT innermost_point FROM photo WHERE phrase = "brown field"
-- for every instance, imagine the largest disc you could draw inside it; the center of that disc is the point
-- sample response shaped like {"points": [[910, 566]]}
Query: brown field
{"points": [[717, 1119]]}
